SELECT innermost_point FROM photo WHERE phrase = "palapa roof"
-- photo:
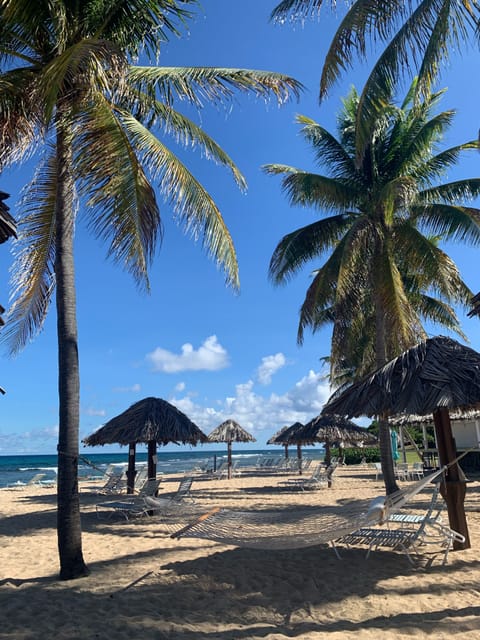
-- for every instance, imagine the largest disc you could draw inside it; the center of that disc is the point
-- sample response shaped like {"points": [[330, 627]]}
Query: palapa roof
{"points": [[455, 415], [273, 439], [475, 310], [150, 419], [230, 431], [437, 373], [335, 428], [292, 435], [8, 226]]}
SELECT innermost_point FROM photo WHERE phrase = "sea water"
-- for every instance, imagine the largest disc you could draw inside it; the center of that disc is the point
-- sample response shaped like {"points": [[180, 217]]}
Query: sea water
{"points": [[21, 468]]}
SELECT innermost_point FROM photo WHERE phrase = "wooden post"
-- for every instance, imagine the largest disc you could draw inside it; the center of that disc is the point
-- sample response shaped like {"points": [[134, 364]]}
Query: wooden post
{"points": [[152, 459], [454, 488], [131, 468], [299, 456], [229, 460], [328, 454]]}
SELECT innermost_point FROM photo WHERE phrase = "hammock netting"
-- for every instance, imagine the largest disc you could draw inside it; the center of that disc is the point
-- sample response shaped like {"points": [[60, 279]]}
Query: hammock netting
{"points": [[295, 528]]}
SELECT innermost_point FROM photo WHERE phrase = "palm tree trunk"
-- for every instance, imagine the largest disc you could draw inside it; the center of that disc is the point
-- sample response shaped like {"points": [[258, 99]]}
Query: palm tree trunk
{"points": [[68, 512], [386, 457]]}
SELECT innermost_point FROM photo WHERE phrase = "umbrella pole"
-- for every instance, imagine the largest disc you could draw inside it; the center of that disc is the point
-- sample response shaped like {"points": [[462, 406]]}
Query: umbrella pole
{"points": [[152, 459], [299, 456], [453, 489], [131, 468], [229, 459], [286, 451]]}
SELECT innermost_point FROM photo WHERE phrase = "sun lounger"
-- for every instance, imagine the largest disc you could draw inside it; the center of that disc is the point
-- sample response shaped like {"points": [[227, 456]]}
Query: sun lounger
{"points": [[406, 532], [34, 481], [319, 478], [132, 506]]}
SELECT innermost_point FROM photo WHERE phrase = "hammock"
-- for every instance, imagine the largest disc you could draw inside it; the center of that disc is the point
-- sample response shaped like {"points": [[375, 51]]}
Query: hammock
{"points": [[298, 527]]}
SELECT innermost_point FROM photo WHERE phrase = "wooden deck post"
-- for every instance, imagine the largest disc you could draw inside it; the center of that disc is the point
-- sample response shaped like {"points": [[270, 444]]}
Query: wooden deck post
{"points": [[453, 489]]}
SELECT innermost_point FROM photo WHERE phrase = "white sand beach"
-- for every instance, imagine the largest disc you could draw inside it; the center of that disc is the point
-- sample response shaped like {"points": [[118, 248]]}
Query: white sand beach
{"points": [[144, 584]]}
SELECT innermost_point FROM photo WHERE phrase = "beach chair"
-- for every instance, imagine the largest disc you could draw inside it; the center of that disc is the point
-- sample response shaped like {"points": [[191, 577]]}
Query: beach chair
{"points": [[402, 471], [165, 506], [116, 483], [413, 531], [319, 478], [149, 487], [417, 471], [35, 480], [132, 506], [142, 505], [377, 467]]}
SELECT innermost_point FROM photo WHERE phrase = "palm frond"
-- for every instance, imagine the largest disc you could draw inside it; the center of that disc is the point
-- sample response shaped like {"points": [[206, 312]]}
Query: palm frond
{"points": [[449, 221], [191, 203], [328, 151], [33, 278], [121, 201], [200, 85], [296, 249], [183, 130]]}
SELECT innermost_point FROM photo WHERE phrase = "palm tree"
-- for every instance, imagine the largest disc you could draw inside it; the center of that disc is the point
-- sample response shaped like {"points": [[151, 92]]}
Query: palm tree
{"points": [[377, 282], [418, 37], [418, 34], [69, 89]]}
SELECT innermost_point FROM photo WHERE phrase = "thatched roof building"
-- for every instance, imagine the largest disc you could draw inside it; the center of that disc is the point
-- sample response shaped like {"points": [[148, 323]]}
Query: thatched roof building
{"points": [[8, 226], [230, 431], [152, 421], [438, 372]]}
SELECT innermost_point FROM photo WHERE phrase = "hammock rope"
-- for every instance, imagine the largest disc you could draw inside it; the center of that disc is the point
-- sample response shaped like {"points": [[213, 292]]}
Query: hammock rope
{"points": [[295, 528]]}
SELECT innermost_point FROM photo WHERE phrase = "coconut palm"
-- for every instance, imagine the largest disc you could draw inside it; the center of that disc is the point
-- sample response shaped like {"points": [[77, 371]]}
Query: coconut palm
{"points": [[380, 269], [418, 37], [70, 91]]}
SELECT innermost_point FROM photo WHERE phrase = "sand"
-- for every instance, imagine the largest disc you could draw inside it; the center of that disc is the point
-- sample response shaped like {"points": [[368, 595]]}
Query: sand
{"points": [[144, 584]]}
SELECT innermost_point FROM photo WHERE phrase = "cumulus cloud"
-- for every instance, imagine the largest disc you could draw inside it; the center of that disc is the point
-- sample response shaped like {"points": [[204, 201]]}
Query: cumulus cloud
{"points": [[261, 415], [269, 366], [180, 386], [210, 356]]}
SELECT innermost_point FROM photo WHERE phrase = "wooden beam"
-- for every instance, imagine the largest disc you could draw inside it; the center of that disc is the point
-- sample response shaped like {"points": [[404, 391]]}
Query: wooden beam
{"points": [[454, 488], [131, 468]]}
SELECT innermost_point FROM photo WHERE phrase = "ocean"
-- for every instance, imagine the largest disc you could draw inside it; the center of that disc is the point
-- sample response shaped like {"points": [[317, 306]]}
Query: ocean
{"points": [[20, 468]]}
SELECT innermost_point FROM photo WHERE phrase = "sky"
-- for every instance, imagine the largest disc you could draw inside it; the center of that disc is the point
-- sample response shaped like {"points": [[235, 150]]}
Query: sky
{"points": [[213, 353]]}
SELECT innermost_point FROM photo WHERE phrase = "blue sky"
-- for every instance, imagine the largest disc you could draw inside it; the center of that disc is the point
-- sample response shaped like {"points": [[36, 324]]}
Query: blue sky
{"points": [[213, 353]]}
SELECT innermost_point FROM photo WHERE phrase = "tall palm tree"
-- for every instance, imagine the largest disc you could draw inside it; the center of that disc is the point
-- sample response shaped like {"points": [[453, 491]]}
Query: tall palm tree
{"points": [[418, 34], [380, 269], [69, 89], [418, 37]]}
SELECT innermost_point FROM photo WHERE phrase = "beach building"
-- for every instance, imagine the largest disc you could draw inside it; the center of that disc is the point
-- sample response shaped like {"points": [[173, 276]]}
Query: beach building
{"points": [[465, 430]]}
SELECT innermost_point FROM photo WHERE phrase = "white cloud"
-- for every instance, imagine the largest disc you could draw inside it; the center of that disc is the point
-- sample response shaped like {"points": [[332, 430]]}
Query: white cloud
{"points": [[180, 386], [33, 441], [210, 356], [262, 415], [135, 388], [269, 366], [91, 411]]}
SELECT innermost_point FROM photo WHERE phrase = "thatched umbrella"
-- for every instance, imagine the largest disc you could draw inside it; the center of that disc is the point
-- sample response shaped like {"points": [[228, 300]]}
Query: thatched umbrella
{"points": [[333, 429], [230, 431], [273, 440], [293, 435], [434, 376], [153, 421]]}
